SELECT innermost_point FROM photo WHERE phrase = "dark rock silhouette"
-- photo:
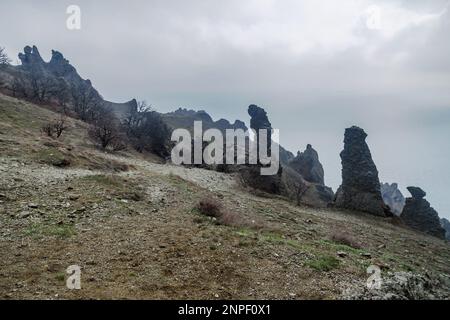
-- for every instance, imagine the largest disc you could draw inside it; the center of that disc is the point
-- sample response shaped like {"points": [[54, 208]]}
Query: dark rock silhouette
{"points": [[419, 215], [30, 56], [393, 197], [287, 182], [259, 122], [57, 82], [184, 118], [446, 225], [360, 189], [307, 164]]}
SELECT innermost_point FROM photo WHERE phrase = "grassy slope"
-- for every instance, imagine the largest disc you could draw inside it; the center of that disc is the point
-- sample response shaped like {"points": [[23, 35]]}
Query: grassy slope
{"points": [[136, 235]]}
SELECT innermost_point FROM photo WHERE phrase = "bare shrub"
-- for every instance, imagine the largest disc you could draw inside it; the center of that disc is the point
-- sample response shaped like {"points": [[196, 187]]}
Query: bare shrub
{"points": [[345, 239], [105, 132], [147, 131], [48, 129], [210, 208], [54, 128], [60, 126]]}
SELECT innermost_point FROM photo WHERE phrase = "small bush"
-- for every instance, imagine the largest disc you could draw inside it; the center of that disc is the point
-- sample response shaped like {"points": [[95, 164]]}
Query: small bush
{"points": [[48, 130], [345, 239], [210, 208], [54, 128]]}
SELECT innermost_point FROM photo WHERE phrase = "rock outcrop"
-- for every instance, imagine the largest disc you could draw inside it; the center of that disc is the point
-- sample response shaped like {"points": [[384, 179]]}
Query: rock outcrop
{"points": [[260, 122], [393, 197], [288, 182], [307, 164], [184, 118], [56, 82], [445, 224], [360, 189], [419, 215]]}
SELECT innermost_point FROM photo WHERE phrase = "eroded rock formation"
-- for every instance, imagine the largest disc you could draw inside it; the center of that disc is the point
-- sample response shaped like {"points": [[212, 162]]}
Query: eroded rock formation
{"points": [[307, 164], [56, 82], [419, 215], [360, 189]]}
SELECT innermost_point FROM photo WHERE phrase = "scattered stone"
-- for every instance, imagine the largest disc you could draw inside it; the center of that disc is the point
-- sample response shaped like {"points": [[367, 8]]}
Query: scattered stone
{"points": [[342, 254], [33, 206], [402, 286], [24, 214], [74, 197], [366, 255]]}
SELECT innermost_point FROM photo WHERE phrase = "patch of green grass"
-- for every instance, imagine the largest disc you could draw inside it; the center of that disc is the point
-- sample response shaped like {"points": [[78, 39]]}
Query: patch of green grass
{"points": [[324, 263], [244, 232], [106, 180], [331, 245], [38, 230], [60, 277]]}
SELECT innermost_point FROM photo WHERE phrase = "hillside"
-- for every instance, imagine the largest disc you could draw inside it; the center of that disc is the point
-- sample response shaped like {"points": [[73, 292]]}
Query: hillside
{"points": [[132, 225]]}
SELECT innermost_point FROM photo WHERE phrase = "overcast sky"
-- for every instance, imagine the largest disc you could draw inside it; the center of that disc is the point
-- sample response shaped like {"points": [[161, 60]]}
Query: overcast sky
{"points": [[316, 66]]}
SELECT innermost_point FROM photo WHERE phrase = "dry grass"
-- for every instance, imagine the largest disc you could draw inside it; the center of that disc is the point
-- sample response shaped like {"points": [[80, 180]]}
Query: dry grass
{"points": [[345, 239], [212, 208]]}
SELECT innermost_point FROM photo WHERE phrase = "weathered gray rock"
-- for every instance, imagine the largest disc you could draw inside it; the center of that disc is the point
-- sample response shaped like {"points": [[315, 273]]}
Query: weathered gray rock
{"points": [[417, 192], [401, 286], [260, 122], [307, 164], [30, 56], [393, 197], [419, 215], [446, 225], [287, 182], [360, 189]]}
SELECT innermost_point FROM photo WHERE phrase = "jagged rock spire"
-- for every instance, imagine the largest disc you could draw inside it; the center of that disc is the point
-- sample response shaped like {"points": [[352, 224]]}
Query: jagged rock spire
{"points": [[360, 189], [307, 164]]}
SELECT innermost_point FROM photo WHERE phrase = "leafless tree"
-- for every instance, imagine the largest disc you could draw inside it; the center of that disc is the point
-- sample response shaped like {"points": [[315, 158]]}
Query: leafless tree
{"points": [[4, 59], [87, 103], [105, 131], [146, 130], [19, 88], [56, 127], [60, 126], [43, 87]]}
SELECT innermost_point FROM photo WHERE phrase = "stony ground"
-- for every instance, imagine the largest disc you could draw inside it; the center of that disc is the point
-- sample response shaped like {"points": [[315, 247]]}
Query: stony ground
{"points": [[132, 226]]}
